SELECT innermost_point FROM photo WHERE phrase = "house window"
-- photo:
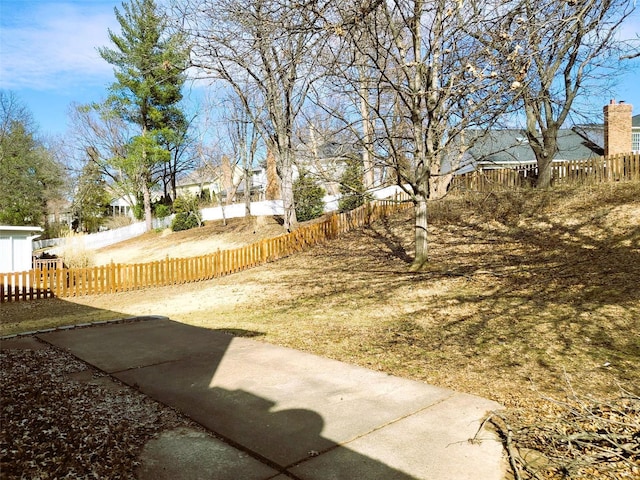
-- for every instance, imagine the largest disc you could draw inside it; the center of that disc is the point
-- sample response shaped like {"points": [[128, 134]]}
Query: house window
{"points": [[635, 141]]}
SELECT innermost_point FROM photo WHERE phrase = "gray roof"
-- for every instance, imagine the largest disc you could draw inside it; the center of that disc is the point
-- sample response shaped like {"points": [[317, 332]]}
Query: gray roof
{"points": [[635, 121], [511, 147], [593, 133], [200, 176]]}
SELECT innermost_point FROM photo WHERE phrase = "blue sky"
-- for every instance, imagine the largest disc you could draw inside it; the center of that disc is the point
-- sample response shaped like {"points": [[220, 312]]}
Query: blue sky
{"points": [[48, 57]]}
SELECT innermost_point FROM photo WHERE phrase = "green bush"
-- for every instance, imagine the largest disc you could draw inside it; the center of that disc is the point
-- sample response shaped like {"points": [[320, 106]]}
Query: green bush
{"points": [[308, 197], [138, 210], [184, 221], [351, 186], [162, 210], [187, 214]]}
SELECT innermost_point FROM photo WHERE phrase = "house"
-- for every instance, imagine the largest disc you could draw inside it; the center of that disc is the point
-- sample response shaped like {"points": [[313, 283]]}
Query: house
{"points": [[635, 134], [326, 162], [59, 212], [509, 148], [217, 182], [16, 245], [122, 205]]}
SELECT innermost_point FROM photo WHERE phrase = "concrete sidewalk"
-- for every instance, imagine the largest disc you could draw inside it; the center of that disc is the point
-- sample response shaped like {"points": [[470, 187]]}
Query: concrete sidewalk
{"points": [[284, 413]]}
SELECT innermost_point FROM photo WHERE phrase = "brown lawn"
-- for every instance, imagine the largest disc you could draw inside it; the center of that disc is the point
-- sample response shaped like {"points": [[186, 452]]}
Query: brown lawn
{"points": [[529, 296]]}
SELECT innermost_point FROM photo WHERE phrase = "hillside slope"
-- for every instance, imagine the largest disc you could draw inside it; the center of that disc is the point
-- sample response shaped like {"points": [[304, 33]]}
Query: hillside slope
{"points": [[529, 296], [212, 236]]}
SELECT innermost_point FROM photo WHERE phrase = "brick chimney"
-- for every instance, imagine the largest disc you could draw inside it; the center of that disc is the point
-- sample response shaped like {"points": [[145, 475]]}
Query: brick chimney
{"points": [[273, 180], [617, 128], [227, 179]]}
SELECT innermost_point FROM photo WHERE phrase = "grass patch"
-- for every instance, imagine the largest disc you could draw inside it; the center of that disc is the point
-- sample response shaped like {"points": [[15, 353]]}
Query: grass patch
{"points": [[525, 291]]}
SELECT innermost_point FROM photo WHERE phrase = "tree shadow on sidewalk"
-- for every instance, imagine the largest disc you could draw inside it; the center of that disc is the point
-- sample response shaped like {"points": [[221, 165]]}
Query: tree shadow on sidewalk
{"points": [[192, 369]]}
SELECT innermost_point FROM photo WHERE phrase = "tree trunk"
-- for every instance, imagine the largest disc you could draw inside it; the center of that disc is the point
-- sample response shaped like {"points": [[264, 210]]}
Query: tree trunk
{"points": [[247, 192], [421, 256], [174, 193], [146, 193], [545, 173], [286, 170], [146, 198], [367, 129], [439, 185], [272, 190], [544, 158]]}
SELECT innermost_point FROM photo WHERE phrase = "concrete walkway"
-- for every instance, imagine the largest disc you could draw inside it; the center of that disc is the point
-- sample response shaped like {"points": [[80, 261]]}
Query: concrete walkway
{"points": [[283, 413]]}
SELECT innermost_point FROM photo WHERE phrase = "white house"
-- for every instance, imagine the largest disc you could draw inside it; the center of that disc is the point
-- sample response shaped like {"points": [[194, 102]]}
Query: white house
{"points": [[16, 247], [217, 182], [635, 134], [122, 205]]}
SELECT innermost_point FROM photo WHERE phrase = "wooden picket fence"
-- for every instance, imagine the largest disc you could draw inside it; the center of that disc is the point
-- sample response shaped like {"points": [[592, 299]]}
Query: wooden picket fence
{"points": [[614, 168], [46, 263], [51, 279], [50, 282]]}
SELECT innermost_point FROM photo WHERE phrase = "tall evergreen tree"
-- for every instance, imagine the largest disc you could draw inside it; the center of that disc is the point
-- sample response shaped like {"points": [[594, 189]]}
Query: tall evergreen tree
{"points": [[29, 175], [308, 197], [149, 65]]}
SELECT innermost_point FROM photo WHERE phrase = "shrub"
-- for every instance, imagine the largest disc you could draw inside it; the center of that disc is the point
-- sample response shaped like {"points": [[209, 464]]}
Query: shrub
{"points": [[184, 221], [351, 186], [55, 230], [118, 222], [138, 211], [187, 214], [162, 211], [308, 197], [74, 252]]}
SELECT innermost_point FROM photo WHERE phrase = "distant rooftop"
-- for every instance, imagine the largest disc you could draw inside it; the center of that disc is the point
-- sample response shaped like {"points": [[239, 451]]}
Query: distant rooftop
{"points": [[510, 146]]}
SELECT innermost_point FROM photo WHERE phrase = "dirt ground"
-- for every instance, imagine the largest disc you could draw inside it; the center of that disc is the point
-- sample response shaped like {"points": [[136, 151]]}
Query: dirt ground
{"points": [[530, 299], [190, 243]]}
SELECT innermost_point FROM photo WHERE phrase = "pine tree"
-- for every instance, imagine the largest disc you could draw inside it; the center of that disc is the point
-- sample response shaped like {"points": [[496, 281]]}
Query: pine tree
{"points": [[91, 199], [149, 64], [351, 186], [29, 175], [308, 197]]}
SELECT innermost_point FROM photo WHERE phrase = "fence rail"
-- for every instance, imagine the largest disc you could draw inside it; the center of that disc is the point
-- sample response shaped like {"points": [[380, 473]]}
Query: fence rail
{"points": [[54, 281], [595, 170], [47, 282], [46, 263]]}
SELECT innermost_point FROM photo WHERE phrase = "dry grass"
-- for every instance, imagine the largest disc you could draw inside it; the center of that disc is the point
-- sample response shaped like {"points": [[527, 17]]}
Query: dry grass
{"points": [[157, 245], [75, 253], [526, 291]]}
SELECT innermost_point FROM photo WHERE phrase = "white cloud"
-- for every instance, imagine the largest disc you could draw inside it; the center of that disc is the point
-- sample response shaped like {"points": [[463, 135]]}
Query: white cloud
{"points": [[52, 46]]}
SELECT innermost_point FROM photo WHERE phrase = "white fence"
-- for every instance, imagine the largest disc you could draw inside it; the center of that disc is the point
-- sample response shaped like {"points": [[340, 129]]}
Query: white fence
{"points": [[94, 241], [98, 240], [258, 209]]}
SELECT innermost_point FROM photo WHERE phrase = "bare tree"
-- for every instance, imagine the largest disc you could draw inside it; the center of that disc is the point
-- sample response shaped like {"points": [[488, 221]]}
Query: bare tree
{"points": [[260, 48], [245, 140], [325, 141], [102, 136], [551, 52], [422, 82], [181, 145]]}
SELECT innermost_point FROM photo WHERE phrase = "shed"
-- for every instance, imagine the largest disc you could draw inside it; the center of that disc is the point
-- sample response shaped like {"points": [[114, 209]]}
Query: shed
{"points": [[16, 247]]}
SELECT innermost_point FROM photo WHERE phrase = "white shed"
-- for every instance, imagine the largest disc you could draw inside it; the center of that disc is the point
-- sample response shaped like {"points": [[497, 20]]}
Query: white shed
{"points": [[16, 248]]}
